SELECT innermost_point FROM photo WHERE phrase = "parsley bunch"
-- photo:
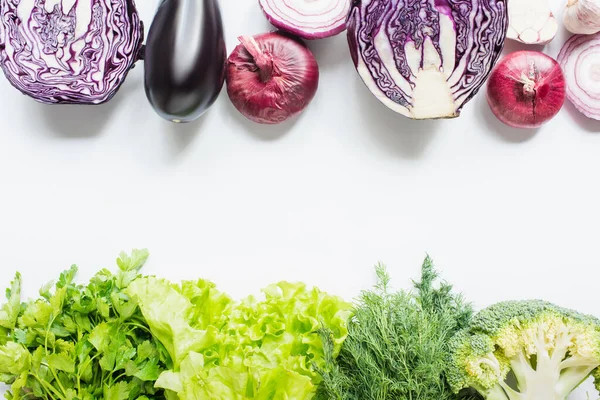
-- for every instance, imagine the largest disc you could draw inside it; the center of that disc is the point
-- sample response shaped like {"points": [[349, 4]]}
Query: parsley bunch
{"points": [[80, 342]]}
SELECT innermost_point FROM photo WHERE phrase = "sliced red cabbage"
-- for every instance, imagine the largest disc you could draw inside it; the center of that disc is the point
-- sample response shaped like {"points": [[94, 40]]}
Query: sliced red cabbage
{"points": [[69, 51], [426, 58]]}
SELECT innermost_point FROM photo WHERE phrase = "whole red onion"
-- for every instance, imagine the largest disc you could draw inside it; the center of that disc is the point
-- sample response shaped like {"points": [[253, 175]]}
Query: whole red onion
{"points": [[271, 77], [526, 89]]}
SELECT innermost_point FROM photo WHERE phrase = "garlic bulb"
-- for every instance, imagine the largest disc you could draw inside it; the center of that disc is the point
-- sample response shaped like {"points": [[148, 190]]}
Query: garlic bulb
{"points": [[582, 16]]}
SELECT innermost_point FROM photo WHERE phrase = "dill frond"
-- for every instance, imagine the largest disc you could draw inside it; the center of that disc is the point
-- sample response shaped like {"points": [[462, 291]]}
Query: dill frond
{"points": [[397, 343]]}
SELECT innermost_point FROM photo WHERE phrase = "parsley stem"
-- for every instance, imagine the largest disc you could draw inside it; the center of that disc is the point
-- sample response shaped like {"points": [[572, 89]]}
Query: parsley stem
{"points": [[85, 365], [144, 328], [49, 388], [47, 332], [118, 377], [56, 378]]}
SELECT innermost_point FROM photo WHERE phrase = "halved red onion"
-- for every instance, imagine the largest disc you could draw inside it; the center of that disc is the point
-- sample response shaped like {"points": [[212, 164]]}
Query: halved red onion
{"points": [[580, 61], [309, 19]]}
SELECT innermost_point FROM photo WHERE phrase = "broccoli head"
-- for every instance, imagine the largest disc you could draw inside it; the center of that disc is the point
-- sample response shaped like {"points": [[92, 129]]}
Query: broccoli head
{"points": [[525, 350]]}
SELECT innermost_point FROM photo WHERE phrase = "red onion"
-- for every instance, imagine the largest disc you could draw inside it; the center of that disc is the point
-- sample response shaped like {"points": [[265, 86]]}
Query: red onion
{"points": [[271, 77], [526, 89], [580, 61], [309, 19]]}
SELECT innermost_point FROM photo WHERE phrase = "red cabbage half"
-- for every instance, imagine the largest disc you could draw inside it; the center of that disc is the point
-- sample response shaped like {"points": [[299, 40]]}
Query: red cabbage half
{"points": [[426, 58], [69, 51]]}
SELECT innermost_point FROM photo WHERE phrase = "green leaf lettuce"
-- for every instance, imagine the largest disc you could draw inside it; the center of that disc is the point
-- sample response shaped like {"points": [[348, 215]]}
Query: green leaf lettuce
{"points": [[253, 349]]}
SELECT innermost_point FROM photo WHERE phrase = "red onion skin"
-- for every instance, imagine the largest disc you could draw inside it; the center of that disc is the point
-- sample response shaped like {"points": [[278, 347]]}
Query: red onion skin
{"points": [[526, 89], [276, 82]]}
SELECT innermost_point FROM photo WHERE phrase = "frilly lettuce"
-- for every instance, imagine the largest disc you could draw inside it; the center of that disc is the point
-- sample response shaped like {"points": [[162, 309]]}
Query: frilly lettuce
{"points": [[253, 349], [172, 316]]}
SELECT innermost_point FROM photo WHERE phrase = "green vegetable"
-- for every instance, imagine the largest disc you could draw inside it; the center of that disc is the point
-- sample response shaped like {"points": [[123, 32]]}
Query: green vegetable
{"points": [[80, 342], [253, 349], [525, 350], [397, 345]]}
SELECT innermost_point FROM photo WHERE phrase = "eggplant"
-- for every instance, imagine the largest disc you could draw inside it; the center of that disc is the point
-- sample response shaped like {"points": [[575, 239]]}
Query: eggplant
{"points": [[185, 57]]}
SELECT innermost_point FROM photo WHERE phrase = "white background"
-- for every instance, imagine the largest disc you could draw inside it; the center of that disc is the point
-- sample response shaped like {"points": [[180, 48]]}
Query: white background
{"points": [[506, 214]]}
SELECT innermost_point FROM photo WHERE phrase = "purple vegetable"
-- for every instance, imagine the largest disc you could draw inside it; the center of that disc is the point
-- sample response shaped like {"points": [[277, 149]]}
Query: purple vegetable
{"points": [[69, 52], [309, 19], [271, 77], [185, 57], [425, 59], [580, 61]]}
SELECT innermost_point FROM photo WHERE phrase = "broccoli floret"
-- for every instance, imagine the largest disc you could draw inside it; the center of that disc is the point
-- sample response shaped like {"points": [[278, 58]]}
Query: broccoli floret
{"points": [[525, 350]]}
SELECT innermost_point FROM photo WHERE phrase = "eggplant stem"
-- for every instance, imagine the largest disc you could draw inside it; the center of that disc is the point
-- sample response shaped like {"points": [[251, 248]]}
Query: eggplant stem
{"points": [[141, 53], [263, 61]]}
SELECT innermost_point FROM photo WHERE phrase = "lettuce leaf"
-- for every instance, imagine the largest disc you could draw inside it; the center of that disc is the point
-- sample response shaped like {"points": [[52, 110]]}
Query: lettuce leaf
{"points": [[170, 316], [283, 329], [253, 349]]}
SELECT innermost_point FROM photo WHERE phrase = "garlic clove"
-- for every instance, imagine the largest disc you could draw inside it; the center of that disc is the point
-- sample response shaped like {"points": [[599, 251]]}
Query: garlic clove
{"points": [[582, 16], [531, 21]]}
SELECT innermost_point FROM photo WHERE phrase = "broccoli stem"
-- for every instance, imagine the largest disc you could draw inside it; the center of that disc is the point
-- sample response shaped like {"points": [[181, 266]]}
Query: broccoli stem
{"points": [[553, 375], [497, 393], [572, 378]]}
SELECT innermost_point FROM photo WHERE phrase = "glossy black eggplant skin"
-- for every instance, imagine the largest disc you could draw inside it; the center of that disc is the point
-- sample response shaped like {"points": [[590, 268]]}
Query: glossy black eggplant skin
{"points": [[184, 61]]}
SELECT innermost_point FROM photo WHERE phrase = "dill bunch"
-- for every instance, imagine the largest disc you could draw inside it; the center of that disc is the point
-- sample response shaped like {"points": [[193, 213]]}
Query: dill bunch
{"points": [[397, 344]]}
